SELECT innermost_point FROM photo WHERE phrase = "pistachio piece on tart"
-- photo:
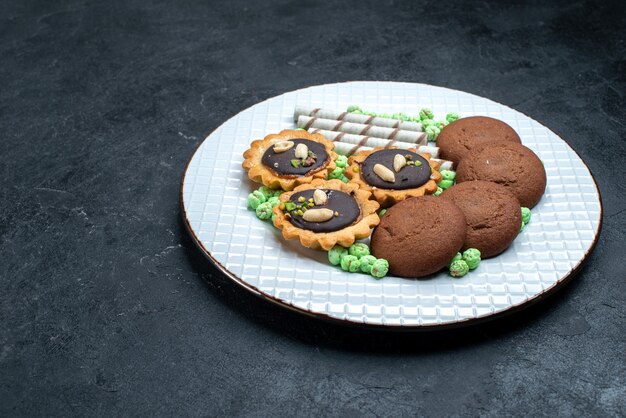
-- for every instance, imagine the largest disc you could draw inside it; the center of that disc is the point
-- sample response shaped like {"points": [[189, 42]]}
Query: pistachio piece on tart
{"points": [[393, 175], [344, 215], [289, 158]]}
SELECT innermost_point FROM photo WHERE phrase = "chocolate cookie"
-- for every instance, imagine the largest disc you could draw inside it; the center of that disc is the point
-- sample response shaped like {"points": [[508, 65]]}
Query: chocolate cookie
{"points": [[419, 236], [463, 135], [492, 213], [509, 164]]}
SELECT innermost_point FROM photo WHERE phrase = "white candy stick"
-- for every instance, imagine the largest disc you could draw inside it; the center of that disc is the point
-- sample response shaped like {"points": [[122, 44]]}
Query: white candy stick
{"points": [[444, 164], [396, 134], [356, 118], [370, 142], [349, 149]]}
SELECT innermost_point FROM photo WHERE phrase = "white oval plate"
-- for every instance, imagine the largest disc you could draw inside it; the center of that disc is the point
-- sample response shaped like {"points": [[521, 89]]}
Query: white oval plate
{"points": [[563, 229]]}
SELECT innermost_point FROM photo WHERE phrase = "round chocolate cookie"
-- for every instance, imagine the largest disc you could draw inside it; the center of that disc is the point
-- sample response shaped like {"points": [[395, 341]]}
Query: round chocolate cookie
{"points": [[492, 213], [464, 134], [419, 236], [509, 164]]}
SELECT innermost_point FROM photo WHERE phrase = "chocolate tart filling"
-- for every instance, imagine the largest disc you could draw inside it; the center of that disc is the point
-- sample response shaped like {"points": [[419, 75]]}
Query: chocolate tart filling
{"points": [[286, 163], [345, 206], [410, 176]]}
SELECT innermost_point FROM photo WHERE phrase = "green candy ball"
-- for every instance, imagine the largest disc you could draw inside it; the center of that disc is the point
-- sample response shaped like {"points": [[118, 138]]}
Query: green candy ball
{"points": [[472, 257], [342, 161], [459, 268], [380, 268], [526, 215], [448, 175], [344, 179], [255, 199], [337, 173], [336, 253], [444, 184], [433, 132], [367, 262], [273, 201], [350, 263], [451, 117], [357, 112], [359, 249], [370, 113], [382, 213], [264, 211], [458, 256], [352, 108], [267, 192], [427, 122], [521, 228], [426, 113], [438, 192]]}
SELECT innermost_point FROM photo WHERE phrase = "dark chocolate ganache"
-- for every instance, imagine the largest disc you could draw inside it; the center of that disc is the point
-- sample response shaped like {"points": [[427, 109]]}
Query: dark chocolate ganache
{"points": [[346, 208], [409, 177], [286, 163]]}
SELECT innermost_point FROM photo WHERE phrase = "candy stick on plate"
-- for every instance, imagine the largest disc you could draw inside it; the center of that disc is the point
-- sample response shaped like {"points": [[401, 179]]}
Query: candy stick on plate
{"points": [[368, 141], [396, 134], [356, 118]]}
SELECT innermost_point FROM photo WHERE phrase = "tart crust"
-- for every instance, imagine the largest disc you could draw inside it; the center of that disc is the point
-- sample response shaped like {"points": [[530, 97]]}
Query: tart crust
{"points": [[345, 237], [260, 173], [389, 197]]}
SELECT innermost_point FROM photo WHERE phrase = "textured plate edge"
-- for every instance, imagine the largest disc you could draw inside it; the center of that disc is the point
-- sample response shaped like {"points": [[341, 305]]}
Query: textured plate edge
{"points": [[397, 327]]}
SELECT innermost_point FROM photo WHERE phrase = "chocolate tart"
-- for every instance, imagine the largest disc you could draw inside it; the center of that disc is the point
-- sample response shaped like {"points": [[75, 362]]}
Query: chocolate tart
{"points": [[282, 170], [419, 176], [353, 214]]}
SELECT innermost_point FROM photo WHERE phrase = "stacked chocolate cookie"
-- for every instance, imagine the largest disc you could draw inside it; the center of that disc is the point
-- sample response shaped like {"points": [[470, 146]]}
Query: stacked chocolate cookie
{"points": [[496, 176]]}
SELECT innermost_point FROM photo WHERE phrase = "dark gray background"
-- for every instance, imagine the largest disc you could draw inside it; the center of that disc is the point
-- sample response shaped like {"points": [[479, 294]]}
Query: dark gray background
{"points": [[106, 306]]}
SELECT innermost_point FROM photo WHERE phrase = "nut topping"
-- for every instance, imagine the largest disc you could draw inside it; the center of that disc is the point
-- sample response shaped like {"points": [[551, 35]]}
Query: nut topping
{"points": [[318, 215], [399, 161], [319, 197], [384, 173], [282, 146], [302, 151]]}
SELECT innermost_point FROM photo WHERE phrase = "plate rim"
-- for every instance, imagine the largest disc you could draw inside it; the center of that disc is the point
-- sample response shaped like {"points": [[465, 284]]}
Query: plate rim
{"points": [[463, 323]]}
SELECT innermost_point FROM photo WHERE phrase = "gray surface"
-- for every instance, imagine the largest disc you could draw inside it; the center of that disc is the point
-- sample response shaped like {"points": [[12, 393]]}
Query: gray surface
{"points": [[107, 307]]}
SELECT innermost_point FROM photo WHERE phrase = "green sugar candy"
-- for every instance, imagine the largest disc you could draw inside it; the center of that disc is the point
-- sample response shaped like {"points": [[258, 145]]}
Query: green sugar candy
{"points": [[521, 228], [255, 199], [382, 213], [273, 217], [526, 215], [459, 268], [385, 115], [342, 161], [273, 201], [344, 179], [336, 253], [444, 184], [350, 263], [380, 268], [451, 117], [426, 113], [438, 192], [448, 174], [370, 113], [264, 211], [367, 262], [359, 249], [267, 192], [337, 173], [457, 257], [352, 108], [433, 132], [472, 257], [427, 122]]}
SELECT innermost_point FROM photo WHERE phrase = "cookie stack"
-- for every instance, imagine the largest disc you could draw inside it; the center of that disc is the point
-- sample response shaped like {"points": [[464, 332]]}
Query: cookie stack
{"points": [[496, 176]]}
